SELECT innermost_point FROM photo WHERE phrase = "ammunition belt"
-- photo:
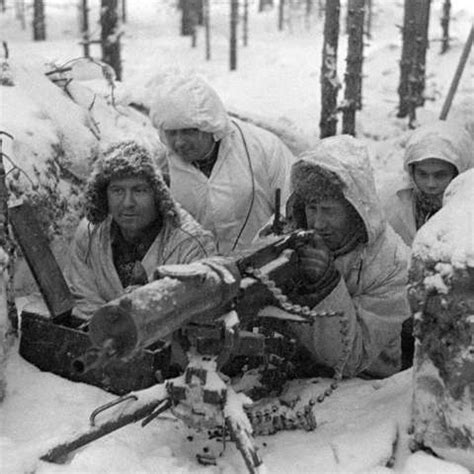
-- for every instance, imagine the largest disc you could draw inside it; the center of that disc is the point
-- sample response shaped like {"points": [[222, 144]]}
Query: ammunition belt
{"points": [[308, 316]]}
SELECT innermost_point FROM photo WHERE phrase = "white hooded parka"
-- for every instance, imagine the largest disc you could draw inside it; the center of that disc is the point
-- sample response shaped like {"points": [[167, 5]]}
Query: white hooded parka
{"points": [[446, 141], [91, 273], [372, 290], [237, 199]]}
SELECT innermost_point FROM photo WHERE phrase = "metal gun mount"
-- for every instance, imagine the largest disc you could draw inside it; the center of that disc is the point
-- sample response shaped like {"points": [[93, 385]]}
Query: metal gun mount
{"points": [[198, 307]]}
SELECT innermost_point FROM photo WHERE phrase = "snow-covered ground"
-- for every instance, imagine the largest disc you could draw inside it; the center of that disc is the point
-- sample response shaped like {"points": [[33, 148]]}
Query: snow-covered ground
{"points": [[277, 79]]}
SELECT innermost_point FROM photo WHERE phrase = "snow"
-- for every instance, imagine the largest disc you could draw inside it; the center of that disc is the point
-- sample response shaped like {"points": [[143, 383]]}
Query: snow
{"points": [[277, 81], [448, 237]]}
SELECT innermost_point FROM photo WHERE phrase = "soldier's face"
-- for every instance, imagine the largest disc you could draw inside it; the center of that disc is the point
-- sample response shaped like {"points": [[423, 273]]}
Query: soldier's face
{"points": [[132, 205], [432, 175], [190, 144], [331, 219]]}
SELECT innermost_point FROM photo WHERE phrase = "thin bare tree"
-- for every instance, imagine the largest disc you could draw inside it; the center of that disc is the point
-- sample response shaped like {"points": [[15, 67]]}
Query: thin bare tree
{"points": [[264, 3], [190, 14], [39, 21], [110, 36], [281, 14], [234, 18], [308, 13], [369, 16], [20, 12], [207, 27], [124, 11], [85, 28], [7, 244], [413, 61], [353, 76], [245, 26], [445, 17], [329, 81]]}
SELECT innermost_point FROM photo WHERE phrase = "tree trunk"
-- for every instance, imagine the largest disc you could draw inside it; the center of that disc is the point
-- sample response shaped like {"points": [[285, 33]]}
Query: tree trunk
{"points": [[190, 16], [8, 312], [308, 13], [194, 37], [39, 24], [4, 327], [368, 23], [281, 14], [186, 23], [329, 81], [321, 8], [441, 293], [264, 3], [353, 76], [110, 36], [207, 28], [20, 12], [413, 61], [246, 23], [200, 12], [234, 18], [85, 28], [5, 324], [124, 11], [445, 25]]}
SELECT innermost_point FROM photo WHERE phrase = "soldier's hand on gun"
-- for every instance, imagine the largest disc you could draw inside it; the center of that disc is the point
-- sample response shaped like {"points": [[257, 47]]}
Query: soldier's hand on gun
{"points": [[317, 263]]}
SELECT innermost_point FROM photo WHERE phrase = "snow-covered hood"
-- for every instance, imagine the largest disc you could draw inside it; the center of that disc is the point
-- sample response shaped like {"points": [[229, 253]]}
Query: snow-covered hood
{"points": [[348, 158], [448, 141], [189, 102]]}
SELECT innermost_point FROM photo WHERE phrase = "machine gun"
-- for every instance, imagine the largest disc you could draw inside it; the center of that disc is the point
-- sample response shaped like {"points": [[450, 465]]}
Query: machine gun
{"points": [[199, 307]]}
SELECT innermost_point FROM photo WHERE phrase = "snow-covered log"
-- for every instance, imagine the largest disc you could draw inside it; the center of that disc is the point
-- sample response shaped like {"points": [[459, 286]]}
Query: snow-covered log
{"points": [[442, 298], [57, 134]]}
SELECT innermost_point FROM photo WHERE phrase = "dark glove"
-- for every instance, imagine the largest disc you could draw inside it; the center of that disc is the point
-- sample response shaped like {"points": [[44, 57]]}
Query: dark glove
{"points": [[320, 275]]}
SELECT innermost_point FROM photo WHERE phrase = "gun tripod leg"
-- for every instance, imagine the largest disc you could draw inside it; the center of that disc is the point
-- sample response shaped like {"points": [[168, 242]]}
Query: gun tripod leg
{"points": [[245, 444], [166, 403], [111, 404]]}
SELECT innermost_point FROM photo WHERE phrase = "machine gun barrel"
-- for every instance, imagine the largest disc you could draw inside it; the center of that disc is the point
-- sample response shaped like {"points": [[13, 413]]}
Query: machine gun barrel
{"points": [[154, 311]]}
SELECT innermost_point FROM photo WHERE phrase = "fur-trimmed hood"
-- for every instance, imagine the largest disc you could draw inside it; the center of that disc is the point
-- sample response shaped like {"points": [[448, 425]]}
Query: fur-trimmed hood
{"points": [[188, 101], [123, 160], [348, 159]]}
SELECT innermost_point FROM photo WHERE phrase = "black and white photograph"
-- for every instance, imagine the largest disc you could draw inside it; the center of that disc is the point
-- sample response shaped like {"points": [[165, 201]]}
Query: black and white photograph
{"points": [[236, 236]]}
